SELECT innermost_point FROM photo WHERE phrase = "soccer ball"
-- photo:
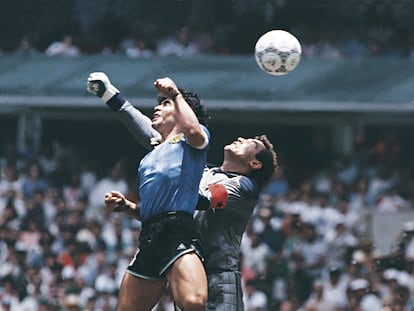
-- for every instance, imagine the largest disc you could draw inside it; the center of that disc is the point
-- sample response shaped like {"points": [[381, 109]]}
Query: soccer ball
{"points": [[277, 52]]}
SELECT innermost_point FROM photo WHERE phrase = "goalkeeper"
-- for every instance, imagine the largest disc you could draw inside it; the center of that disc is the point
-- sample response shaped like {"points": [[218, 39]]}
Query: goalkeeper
{"points": [[227, 197], [169, 177]]}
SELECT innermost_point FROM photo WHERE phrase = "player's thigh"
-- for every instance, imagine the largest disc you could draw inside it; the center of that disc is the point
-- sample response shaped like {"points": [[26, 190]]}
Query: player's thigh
{"points": [[188, 279], [138, 294]]}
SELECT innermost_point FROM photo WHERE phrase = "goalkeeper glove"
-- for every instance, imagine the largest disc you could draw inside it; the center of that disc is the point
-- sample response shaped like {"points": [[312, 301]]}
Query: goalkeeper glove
{"points": [[98, 84]]}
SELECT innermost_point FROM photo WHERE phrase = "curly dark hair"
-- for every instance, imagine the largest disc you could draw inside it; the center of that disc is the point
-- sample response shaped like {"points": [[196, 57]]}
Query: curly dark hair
{"points": [[268, 158], [194, 102]]}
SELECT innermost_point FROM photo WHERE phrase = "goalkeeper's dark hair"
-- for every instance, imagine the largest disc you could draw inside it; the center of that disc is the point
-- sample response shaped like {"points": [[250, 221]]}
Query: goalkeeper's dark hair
{"points": [[195, 103], [268, 158]]}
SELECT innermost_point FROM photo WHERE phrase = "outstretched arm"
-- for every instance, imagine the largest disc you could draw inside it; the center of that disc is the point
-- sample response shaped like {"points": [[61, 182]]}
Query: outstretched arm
{"points": [[134, 120], [138, 125]]}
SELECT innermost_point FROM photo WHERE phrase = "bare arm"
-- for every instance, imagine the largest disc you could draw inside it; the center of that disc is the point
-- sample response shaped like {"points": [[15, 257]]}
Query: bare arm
{"points": [[186, 118], [116, 202]]}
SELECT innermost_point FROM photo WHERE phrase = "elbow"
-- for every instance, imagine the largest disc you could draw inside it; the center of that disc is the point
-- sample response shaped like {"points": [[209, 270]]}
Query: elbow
{"points": [[197, 138]]}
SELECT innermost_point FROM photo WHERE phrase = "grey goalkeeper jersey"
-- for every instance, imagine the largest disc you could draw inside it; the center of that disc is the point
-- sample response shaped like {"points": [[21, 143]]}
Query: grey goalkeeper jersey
{"points": [[221, 229]]}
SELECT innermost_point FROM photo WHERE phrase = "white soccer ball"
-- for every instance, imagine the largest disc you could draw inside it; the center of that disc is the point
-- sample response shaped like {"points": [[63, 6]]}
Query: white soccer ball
{"points": [[277, 52]]}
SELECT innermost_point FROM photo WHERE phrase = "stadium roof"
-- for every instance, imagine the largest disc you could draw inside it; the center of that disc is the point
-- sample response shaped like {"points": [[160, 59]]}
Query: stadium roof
{"points": [[377, 90]]}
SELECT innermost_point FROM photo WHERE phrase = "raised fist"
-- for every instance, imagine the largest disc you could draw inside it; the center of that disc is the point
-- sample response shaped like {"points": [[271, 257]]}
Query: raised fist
{"points": [[98, 84]]}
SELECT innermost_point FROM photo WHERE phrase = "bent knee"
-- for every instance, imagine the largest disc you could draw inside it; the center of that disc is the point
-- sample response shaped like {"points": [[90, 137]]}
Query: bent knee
{"points": [[194, 303]]}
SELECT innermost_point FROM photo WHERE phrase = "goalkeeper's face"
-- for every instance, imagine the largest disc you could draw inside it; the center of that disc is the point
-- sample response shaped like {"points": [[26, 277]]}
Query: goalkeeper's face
{"points": [[163, 119], [244, 150]]}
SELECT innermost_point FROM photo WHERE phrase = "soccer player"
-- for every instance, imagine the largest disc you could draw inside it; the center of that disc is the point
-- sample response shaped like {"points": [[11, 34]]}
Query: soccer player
{"points": [[227, 196], [169, 177]]}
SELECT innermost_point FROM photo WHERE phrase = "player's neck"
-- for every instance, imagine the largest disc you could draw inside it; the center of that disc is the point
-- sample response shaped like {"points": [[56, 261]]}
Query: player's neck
{"points": [[233, 167], [169, 135]]}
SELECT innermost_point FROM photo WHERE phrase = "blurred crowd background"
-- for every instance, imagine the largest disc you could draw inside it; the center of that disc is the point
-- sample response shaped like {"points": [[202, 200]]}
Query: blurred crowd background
{"points": [[332, 29], [309, 245]]}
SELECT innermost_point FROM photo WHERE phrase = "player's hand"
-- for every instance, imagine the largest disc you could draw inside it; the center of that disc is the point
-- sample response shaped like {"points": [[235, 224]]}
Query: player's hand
{"points": [[166, 87], [115, 201], [98, 84]]}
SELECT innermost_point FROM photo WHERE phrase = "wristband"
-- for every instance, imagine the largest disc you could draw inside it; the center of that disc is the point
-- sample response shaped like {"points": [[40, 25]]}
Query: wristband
{"points": [[173, 97], [116, 102]]}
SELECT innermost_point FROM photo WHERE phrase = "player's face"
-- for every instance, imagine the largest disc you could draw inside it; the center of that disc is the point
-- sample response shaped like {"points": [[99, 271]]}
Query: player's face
{"points": [[163, 118], [245, 148]]}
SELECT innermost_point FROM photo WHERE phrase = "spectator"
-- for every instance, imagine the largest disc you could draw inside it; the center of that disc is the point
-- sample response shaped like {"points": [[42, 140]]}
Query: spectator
{"points": [[340, 242], [12, 210], [26, 47], [253, 298], [278, 278], [90, 304], [95, 264], [35, 214], [65, 47], [366, 254], [108, 281], [362, 297], [402, 299], [115, 181], [136, 48], [11, 181], [270, 232], [360, 199], [91, 234], [379, 184], [335, 286], [179, 45], [255, 255], [354, 220], [71, 302], [72, 191], [34, 182], [326, 214], [61, 175], [117, 236], [392, 201], [278, 185], [316, 300], [48, 159], [307, 261], [87, 175]]}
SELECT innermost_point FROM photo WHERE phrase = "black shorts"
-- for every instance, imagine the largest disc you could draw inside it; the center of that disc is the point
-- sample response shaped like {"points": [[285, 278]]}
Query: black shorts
{"points": [[163, 239]]}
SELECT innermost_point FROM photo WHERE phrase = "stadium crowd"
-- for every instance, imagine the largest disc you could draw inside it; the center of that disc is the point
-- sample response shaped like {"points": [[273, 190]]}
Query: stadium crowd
{"points": [[307, 246], [144, 28], [187, 43]]}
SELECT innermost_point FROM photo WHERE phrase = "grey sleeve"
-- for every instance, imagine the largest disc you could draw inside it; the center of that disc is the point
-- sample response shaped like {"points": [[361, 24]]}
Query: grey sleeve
{"points": [[138, 125], [241, 194]]}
